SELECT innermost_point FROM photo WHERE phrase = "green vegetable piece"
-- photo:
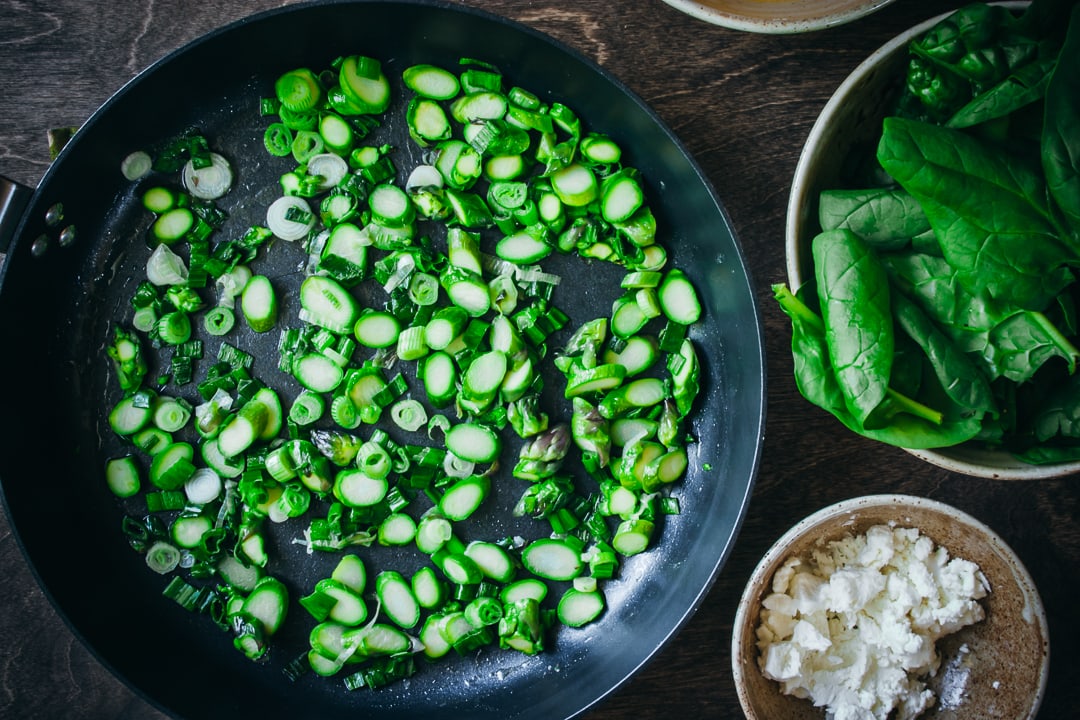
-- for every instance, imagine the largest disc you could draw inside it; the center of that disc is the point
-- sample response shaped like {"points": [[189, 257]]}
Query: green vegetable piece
{"points": [[366, 88], [339, 447], [464, 497], [431, 81], [526, 417], [1014, 252], [641, 393], [474, 442], [122, 476], [268, 603], [258, 302], [853, 290], [162, 557], [174, 328], [544, 454], [590, 430], [817, 383], [1022, 343], [958, 375], [577, 608], [885, 218], [685, 372], [521, 628], [1026, 85], [633, 536], [542, 499], [298, 90], [128, 359]]}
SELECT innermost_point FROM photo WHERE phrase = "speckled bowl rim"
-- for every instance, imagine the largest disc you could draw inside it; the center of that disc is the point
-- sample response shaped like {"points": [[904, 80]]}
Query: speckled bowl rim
{"points": [[967, 460], [745, 23], [779, 551]]}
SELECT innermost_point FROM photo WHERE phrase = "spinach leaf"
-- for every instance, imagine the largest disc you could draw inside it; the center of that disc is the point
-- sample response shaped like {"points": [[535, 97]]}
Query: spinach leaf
{"points": [[966, 318], [1020, 345], [911, 431], [1009, 342], [1061, 129], [1059, 416], [962, 381], [817, 382], [981, 43], [931, 92], [1026, 84], [1063, 314], [999, 429], [1048, 412], [1049, 454], [886, 218], [989, 211], [908, 366], [853, 292], [813, 371]]}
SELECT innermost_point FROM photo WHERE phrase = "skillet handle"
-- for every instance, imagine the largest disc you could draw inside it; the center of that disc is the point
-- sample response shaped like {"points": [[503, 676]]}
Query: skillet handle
{"points": [[13, 201]]}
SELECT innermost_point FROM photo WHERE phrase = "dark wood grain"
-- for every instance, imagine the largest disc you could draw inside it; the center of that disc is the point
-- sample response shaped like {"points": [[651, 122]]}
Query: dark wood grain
{"points": [[743, 105]]}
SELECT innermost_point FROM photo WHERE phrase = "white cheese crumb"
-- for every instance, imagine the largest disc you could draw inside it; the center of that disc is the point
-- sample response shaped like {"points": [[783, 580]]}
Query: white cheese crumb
{"points": [[852, 626]]}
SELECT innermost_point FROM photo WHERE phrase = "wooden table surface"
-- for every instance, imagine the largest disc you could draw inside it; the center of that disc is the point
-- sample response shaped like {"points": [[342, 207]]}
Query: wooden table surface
{"points": [[743, 105]]}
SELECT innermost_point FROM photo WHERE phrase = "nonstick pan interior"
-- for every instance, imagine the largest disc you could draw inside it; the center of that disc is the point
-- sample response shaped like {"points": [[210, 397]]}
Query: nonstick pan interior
{"points": [[56, 313]]}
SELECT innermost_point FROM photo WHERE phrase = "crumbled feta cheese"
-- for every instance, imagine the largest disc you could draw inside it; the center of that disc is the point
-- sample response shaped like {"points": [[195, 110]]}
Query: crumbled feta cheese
{"points": [[853, 626]]}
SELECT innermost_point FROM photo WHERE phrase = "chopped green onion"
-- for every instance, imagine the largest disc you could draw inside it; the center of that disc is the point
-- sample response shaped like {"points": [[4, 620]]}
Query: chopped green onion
{"points": [[278, 139], [298, 90], [307, 408], [219, 320], [174, 328], [162, 557], [122, 476], [234, 356], [408, 415]]}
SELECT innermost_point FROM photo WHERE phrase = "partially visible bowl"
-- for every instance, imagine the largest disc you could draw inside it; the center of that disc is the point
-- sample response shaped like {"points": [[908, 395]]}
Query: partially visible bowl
{"points": [[1005, 657], [849, 126], [778, 16]]}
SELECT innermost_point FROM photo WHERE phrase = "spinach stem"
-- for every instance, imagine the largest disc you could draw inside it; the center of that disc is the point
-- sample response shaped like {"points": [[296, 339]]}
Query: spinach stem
{"points": [[790, 302], [912, 407]]}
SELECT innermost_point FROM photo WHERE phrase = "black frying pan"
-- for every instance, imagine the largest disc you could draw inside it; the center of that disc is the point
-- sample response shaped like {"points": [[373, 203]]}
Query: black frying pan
{"points": [[57, 306]]}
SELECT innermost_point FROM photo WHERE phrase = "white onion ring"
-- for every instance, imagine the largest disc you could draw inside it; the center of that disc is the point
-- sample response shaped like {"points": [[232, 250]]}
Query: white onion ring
{"points": [[283, 227], [330, 167], [203, 487], [210, 182]]}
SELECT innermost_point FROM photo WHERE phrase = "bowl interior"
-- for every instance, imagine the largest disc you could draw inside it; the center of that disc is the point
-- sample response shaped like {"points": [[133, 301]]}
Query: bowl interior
{"points": [[778, 16], [995, 668]]}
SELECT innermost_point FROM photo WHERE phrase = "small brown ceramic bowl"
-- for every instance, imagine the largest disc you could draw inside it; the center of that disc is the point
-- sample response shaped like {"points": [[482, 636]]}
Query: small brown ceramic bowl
{"points": [[850, 125], [778, 16], [995, 668]]}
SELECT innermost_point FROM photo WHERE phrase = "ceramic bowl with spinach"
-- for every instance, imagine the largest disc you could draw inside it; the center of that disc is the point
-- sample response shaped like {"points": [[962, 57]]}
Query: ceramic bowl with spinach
{"points": [[933, 244]]}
